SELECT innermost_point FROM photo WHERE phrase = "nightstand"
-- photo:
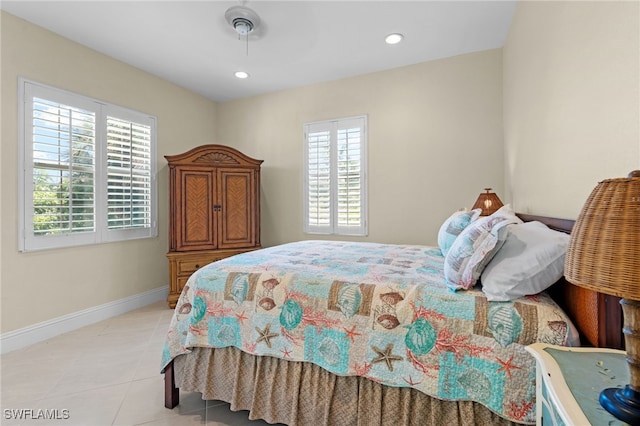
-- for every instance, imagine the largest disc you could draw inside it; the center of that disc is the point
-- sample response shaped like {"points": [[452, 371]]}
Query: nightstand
{"points": [[569, 381]]}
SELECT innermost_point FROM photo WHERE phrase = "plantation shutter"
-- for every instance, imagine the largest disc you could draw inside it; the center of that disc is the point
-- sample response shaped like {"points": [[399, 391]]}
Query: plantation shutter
{"points": [[335, 179], [88, 170], [128, 174], [319, 178], [63, 168], [349, 177]]}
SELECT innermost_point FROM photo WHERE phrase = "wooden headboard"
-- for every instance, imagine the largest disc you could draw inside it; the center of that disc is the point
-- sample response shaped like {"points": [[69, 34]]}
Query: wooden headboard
{"points": [[597, 316]]}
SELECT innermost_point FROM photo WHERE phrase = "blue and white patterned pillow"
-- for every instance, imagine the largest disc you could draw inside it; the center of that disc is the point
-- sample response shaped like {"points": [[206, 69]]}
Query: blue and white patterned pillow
{"points": [[453, 226], [474, 248]]}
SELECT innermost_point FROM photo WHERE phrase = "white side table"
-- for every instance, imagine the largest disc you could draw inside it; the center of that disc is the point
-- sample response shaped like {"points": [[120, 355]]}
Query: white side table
{"points": [[569, 382]]}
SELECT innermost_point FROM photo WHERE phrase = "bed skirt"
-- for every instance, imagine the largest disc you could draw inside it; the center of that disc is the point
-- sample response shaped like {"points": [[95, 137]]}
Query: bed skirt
{"points": [[300, 393]]}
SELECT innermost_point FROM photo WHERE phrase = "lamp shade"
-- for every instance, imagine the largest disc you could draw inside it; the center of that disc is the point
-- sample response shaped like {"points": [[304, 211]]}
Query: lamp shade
{"points": [[604, 255], [488, 202], [604, 249]]}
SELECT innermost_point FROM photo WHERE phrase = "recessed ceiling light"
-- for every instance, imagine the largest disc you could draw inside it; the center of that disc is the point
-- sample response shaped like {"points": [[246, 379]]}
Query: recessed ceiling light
{"points": [[241, 74], [394, 38]]}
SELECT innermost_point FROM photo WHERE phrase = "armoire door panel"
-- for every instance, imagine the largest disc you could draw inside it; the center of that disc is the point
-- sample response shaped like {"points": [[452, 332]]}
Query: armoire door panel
{"points": [[196, 227], [236, 221]]}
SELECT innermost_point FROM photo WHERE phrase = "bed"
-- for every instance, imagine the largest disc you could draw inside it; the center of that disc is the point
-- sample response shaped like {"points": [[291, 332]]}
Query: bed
{"points": [[334, 332]]}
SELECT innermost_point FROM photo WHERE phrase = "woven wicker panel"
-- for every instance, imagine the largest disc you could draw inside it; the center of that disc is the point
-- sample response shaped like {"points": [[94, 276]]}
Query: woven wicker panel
{"points": [[197, 215], [237, 206], [584, 312], [604, 250]]}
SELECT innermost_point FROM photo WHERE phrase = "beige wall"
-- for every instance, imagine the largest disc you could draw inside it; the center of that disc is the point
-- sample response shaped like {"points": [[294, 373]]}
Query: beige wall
{"points": [[571, 101], [435, 141], [43, 285]]}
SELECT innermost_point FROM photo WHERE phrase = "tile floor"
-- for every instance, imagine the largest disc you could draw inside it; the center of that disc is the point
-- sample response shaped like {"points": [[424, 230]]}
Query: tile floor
{"points": [[107, 373]]}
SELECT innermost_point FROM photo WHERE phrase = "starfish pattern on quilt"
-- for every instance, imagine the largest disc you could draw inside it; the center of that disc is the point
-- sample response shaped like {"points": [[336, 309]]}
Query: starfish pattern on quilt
{"points": [[266, 335], [386, 355], [507, 366], [351, 334]]}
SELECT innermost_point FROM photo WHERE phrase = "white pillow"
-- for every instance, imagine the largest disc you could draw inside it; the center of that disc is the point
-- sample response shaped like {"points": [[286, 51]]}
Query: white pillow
{"points": [[453, 226], [475, 246], [530, 261]]}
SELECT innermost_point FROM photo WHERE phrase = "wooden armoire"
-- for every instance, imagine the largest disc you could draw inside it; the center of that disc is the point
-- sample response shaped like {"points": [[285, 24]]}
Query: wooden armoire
{"points": [[214, 198]]}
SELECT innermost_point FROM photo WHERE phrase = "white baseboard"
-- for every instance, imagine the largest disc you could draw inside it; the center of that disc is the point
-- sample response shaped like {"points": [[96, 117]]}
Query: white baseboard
{"points": [[47, 329]]}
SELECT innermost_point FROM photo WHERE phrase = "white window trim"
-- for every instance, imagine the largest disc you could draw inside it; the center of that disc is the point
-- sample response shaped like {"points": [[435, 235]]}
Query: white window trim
{"points": [[333, 228], [26, 240]]}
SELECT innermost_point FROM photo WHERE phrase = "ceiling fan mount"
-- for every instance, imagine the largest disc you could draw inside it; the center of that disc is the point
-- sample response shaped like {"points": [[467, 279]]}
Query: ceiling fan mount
{"points": [[242, 19]]}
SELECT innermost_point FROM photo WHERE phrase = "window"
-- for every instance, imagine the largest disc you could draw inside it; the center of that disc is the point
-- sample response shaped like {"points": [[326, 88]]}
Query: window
{"points": [[88, 170], [335, 187]]}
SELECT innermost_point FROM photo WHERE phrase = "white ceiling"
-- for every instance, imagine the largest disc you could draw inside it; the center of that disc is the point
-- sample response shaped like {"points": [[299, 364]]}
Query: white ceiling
{"points": [[298, 43]]}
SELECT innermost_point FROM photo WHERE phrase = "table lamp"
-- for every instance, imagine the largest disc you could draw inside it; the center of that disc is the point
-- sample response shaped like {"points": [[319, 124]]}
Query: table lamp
{"points": [[604, 255], [488, 202]]}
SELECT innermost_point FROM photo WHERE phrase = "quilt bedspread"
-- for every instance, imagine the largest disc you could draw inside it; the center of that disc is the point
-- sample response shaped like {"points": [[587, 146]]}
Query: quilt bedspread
{"points": [[375, 310]]}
